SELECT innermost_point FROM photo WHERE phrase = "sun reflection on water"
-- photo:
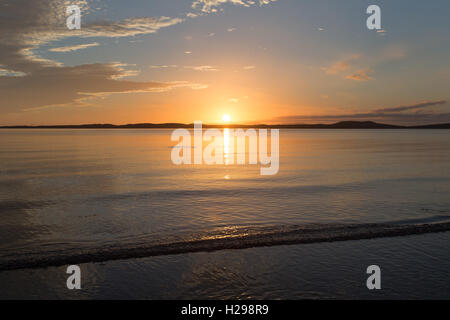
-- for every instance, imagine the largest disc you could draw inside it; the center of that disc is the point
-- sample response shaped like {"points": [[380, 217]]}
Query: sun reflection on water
{"points": [[227, 147]]}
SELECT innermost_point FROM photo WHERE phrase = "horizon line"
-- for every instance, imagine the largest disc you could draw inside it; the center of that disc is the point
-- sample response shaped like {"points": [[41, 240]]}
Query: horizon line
{"points": [[169, 125]]}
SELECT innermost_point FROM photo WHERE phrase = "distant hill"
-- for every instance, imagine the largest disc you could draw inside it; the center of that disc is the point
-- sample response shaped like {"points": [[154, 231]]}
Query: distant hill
{"points": [[338, 125]]}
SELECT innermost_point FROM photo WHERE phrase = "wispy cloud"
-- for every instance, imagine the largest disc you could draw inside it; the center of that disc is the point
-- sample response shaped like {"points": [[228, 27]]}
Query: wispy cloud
{"points": [[11, 73], [75, 47], [237, 100], [337, 67], [208, 6], [416, 106], [360, 75], [191, 15], [393, 114], [381, 32], [342, 65], [164, 66], [201, 68], [347, 65]]}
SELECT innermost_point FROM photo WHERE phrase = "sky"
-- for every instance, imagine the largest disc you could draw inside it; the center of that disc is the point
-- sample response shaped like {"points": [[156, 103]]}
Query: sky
{"points": [[258, 61]]}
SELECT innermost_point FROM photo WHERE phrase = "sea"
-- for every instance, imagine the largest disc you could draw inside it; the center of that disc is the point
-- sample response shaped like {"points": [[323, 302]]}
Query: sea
{"points": [[140, 227]]}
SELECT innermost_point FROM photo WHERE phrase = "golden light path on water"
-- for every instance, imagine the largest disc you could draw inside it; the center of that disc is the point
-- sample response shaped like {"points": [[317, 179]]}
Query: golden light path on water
{"points": [[227, 150], [228, 153]]}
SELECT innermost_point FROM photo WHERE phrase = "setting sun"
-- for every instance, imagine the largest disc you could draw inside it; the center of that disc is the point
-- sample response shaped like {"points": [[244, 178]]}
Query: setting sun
{"points": [[226, 118]]}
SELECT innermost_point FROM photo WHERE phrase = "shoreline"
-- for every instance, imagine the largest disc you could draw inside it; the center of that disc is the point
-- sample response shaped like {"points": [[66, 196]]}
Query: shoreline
{"points": [[320, 270], [241, 239]]}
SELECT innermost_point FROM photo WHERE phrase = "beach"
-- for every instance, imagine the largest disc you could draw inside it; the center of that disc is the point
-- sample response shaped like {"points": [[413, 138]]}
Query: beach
{"points": [[414, 267]]}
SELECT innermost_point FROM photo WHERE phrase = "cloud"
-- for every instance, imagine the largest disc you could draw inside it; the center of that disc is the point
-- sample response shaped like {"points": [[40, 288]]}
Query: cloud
{"points": [[10, 73], [360, 75], [345, 65], [337, 67], [342, 65], [201, 68], [208, 6], [29, 81], [191, 15], [164, 66], [237, 100], [126, 27], [249, 67], [26, 30], [412, 107], [63, 86], [393, 114], [74, 48]]}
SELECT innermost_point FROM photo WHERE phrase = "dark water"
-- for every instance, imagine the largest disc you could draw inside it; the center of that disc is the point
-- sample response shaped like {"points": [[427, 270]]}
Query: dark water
{"points": [[72, 196]]}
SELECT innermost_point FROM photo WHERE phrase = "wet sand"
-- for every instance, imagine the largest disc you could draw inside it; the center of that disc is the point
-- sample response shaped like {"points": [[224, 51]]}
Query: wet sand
{"points": [[413, 267]]}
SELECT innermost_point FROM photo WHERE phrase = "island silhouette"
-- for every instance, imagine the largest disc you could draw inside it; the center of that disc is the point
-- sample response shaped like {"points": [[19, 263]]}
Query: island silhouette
{"points": [[337, 125]]}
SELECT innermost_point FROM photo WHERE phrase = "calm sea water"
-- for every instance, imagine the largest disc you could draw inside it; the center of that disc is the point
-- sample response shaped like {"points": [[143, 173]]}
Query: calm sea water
{"points": [[63, 190]]}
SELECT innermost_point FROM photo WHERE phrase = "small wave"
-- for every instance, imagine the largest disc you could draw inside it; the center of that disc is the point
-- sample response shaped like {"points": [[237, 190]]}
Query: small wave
{"points": [[221, 239]]}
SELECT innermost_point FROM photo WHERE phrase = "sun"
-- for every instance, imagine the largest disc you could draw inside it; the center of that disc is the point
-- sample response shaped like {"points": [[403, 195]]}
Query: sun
{"points": [[226, 118]]}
